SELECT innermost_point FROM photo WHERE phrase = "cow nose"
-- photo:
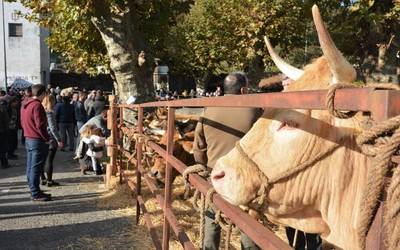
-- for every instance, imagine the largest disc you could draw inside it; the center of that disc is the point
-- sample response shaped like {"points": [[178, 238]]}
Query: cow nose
{"points": [[218, 176], [154, 173]]}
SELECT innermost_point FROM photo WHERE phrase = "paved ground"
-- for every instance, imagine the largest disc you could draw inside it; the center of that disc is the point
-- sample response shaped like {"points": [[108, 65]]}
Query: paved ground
{"points": [[71, 221]]}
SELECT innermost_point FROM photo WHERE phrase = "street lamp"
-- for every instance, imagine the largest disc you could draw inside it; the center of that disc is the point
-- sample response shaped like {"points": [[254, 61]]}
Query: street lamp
{"points": [[4, 44]]}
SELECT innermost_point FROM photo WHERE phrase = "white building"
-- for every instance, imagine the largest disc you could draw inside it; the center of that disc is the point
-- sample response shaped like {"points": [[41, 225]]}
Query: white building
{"points": [[27, 55]]}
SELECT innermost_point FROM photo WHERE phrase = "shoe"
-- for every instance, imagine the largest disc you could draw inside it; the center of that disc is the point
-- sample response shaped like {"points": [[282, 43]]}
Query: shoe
{"points": [[77, 157], [42, 197], [43, 192], [99, 172], [52, 184], [44, 182]]}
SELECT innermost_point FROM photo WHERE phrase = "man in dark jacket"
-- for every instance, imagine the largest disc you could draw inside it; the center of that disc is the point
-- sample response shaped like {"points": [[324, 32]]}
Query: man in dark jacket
{"points": [[34, 123], [99, 104], [216, 134], [65, 118]]}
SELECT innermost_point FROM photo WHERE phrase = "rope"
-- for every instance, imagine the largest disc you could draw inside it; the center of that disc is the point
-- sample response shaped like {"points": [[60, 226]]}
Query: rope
{"points": [[198, 169], [380, 142], [330, 101]]}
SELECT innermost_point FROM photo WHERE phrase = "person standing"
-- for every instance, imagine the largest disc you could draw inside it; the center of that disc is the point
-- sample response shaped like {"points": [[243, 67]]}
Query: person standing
{"points": [[65, 117], [80, 112], [55, 140], [34, 123], [216, 134], [12, 139], [4, 125]]}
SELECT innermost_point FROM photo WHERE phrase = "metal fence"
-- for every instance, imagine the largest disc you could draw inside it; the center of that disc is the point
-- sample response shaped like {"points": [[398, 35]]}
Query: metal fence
{"points": [[381, 104]]}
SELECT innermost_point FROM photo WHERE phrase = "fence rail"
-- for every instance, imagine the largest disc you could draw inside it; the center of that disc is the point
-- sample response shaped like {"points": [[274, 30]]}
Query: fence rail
{"points": [[381, 104]]}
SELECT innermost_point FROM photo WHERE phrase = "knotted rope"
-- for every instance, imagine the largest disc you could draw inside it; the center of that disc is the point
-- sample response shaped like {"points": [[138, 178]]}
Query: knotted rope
{"points": [[205, 203]]}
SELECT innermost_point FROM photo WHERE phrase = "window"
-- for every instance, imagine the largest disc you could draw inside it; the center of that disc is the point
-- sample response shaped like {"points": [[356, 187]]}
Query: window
{"points": [[15, 29]]}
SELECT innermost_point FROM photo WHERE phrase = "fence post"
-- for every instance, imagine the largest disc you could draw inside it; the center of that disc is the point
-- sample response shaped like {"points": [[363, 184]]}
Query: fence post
{"points": [[168, 174], [111, 151], [121, 143], [139, 162]]}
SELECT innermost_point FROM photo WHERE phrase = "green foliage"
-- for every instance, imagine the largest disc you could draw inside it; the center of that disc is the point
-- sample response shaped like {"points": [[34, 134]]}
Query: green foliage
{"points": [[75, 38]]}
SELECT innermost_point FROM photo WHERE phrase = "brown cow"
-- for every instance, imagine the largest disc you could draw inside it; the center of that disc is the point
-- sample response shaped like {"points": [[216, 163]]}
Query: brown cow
{"points": [[324, 198], [183, 150]]}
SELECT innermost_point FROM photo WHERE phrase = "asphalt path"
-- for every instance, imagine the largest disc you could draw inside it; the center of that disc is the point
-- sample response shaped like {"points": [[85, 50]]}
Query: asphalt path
{"points": [[72, 220]]}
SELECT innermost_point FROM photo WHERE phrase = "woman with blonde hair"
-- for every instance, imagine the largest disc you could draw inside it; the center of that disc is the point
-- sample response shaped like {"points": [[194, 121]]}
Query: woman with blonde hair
{"points": [[48, 103]]}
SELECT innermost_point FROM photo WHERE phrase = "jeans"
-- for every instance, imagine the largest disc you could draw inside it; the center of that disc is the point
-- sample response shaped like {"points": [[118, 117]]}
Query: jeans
{"points": [[67, 128], [3, 150], [37, 151], [12, 141], [212, 235], [49, 166], [303, 240]]}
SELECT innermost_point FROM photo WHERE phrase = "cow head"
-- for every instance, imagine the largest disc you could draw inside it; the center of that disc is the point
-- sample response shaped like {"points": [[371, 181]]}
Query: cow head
{"points": [[282, 139]]}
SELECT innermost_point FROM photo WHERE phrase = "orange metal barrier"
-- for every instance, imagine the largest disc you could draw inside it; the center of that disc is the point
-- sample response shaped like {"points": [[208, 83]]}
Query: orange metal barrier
{"points": [[381, 104]]}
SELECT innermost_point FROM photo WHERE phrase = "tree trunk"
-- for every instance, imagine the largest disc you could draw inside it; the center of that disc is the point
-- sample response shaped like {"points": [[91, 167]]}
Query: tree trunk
{"points": [[116, 32]]}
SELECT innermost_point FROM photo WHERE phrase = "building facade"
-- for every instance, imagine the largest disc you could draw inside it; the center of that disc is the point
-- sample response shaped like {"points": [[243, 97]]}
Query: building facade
{"points": [[26, 54]]}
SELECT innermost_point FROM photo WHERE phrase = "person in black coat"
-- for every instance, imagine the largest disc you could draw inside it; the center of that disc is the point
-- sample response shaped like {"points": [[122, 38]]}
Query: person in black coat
{"points": [[65, 118]]}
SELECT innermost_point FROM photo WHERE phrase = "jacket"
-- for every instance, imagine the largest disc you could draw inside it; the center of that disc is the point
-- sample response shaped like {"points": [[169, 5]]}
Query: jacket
{"points": [[219, 129], [99, 122], [4, 118], [95, 146], [64, 112], [34, 120], [99, 105], [80, 112], [52, 129]]}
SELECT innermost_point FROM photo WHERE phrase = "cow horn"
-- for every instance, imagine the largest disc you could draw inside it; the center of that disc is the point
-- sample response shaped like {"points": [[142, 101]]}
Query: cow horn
{"points": [[341, 69], [287, 69]]}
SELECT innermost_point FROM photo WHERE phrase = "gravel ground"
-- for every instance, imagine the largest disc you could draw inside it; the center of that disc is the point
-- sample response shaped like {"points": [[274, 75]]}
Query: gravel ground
{"points": [[71, 221]]}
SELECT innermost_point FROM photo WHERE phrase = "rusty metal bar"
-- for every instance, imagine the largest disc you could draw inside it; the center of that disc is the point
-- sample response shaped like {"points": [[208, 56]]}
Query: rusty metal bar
{"points": [[257, 232], [152, 229], [168, 175], [385, 104], [176, 228], [346, 99], [139, 162]]}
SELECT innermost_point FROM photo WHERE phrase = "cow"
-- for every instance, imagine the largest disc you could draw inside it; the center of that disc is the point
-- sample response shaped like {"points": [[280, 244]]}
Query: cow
{"points": [[324, 198], [183, 150]]}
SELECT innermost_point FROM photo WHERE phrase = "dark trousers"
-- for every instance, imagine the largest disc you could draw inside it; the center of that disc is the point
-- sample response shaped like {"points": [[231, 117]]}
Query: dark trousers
{"points": [[37, 151], [12, 140], [3, 149], [49, 164], [67, 129], [212, 235], [303, 240]]}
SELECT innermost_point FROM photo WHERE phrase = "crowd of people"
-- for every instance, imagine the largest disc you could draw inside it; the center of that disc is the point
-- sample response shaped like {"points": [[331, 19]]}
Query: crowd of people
{"points": [[50, 119]]}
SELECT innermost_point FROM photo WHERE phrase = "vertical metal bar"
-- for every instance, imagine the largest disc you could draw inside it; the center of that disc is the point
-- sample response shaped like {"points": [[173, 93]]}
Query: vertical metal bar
{"points": [[168, 174], [121, 142], [384, 104], [139, 162]]}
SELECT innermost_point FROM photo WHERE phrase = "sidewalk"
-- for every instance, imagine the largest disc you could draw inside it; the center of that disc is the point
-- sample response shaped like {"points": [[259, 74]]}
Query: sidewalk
{"points": [[71, 221]]}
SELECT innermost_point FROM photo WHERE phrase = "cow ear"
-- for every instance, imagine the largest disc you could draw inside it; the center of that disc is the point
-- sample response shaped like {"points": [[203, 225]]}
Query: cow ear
{"points": [[290, 71], [341, 69]]}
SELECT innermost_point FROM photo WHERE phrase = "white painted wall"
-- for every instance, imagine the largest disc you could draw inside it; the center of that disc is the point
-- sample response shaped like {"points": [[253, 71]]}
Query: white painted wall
{"points": [[28, 57]]}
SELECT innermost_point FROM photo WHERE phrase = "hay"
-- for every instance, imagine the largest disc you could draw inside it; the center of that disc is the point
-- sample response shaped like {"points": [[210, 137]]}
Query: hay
{"points": [[119, 198]]}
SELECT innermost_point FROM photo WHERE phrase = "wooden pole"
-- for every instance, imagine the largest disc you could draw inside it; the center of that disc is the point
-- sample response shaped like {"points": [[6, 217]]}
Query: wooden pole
{"points": [[139, 163], [111, 151]]}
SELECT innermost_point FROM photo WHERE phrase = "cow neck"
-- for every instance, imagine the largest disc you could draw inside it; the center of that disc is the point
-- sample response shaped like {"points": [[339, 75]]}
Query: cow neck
{"points": [[259, 202]]}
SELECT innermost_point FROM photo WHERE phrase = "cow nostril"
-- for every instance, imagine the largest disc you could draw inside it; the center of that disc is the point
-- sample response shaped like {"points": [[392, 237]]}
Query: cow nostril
{"points": [[155, 173], [219, 176]]}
